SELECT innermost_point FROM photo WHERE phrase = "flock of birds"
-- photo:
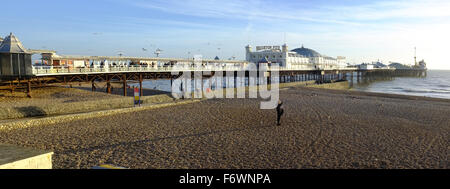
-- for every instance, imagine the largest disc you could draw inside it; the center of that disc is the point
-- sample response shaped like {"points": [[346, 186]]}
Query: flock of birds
{"points": [[158, 51]]}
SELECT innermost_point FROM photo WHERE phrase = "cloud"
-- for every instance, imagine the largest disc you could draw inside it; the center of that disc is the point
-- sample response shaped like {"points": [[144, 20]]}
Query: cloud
{"points": [[363, 31], [384, 10], [279, 10]]}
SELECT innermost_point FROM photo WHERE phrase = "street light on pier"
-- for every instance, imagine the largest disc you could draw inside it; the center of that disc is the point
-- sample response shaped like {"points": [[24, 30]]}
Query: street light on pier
{"points": [[157, 52], [120, 53]]}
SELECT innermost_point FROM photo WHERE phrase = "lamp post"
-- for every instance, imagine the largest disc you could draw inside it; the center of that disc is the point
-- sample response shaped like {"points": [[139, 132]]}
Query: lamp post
{"points": [[158, 52]]}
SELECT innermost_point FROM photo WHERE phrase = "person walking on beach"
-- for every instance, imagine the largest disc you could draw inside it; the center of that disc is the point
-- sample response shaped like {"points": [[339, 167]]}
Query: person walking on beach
{"points": [[280, 111]]}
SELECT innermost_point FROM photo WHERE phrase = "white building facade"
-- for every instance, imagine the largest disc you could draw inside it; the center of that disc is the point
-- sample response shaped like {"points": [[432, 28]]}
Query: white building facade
{"points": [[300, 58]]}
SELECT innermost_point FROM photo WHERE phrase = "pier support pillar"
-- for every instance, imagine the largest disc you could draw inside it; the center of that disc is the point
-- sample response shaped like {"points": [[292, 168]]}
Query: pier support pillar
{"points": [[11, 85], [351, 79], [29, 88], [108, 85], [358, 77], [141, 79], [124, 78], [93, 86]]}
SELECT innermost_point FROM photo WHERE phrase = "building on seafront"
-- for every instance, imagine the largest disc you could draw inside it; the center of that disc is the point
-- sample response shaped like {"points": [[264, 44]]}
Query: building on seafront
{"points": [[299, 58], [15, 60]]}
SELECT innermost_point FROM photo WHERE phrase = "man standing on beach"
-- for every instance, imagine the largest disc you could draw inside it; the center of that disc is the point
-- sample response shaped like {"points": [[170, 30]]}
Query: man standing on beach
{"points": [[280, 111]]}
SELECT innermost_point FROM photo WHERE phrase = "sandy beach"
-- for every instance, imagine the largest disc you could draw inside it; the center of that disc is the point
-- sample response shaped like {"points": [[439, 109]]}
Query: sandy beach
{"points": [[320, 129]]}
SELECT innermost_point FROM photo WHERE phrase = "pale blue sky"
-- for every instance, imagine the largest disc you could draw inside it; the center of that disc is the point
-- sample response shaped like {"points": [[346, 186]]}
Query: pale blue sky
{"points": [[361, 31]]}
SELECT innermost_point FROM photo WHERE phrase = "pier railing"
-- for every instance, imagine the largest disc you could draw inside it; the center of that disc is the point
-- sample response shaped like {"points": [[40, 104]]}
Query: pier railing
{"points": [[61, 70], [56, 70]]}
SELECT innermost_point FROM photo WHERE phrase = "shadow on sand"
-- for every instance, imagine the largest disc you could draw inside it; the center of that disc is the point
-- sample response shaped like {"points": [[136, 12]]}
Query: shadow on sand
{"points": [[31, 111]]}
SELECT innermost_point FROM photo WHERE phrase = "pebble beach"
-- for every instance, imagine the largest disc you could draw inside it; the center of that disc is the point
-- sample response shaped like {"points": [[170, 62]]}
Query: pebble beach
{"points": [[320, 129]]}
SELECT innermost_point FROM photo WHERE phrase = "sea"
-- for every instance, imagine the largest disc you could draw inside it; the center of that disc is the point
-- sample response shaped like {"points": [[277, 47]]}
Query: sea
{"points": [[436, 83]]}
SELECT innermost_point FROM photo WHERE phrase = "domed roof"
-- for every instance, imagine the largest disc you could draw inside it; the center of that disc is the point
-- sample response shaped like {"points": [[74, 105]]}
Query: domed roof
{"points": [[12, 44], [306, 52]]}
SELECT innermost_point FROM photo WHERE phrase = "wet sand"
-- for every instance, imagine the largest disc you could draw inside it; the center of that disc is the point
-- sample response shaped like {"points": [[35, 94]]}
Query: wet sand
{"points": [[320, 129]]}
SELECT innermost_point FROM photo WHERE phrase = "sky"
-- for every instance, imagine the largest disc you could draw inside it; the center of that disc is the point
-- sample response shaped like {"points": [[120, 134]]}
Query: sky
{"points": [[362, 31]]}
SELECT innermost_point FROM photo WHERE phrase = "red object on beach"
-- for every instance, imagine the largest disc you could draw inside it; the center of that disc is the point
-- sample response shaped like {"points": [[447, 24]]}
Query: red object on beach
{"points": [[136, 90], [208, 90]]}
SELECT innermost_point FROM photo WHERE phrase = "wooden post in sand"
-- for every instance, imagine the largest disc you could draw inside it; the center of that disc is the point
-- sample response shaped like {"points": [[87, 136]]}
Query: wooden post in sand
{"points": [[124, 78]]}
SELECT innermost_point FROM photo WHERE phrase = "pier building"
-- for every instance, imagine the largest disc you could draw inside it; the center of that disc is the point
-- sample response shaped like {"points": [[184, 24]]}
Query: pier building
{"points": [[15, 60], [299, 58]]}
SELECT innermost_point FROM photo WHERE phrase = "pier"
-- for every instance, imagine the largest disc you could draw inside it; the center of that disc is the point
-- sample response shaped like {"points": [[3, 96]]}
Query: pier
{"points": [[18, 73]]}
